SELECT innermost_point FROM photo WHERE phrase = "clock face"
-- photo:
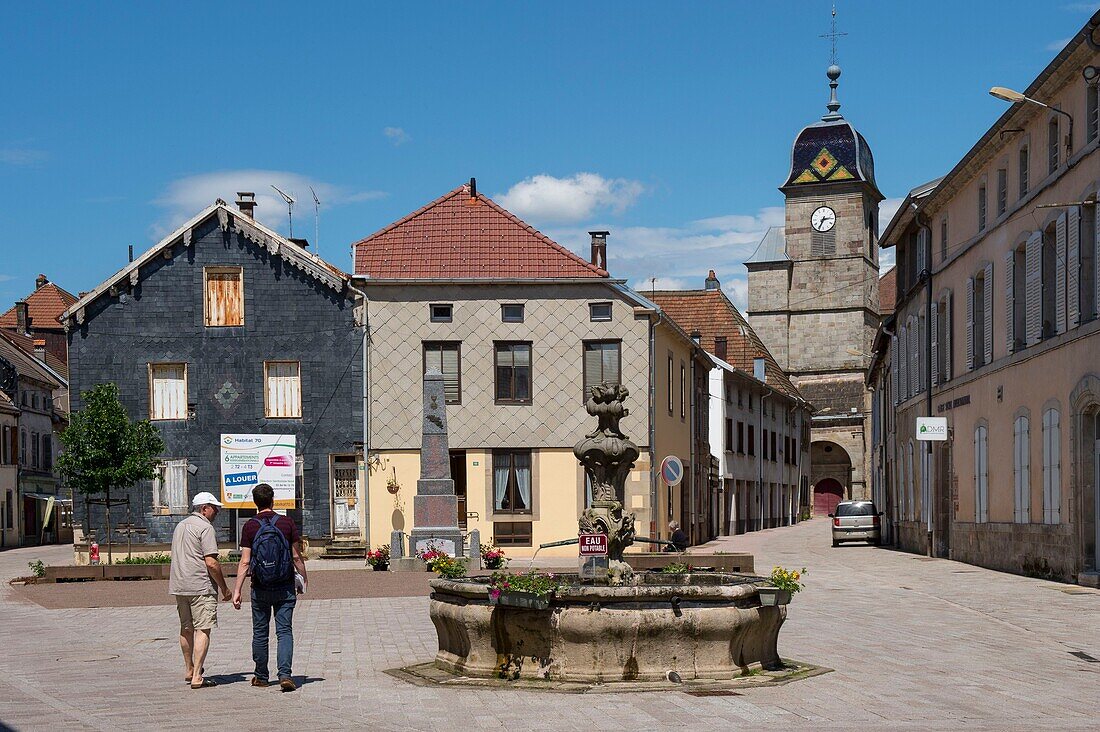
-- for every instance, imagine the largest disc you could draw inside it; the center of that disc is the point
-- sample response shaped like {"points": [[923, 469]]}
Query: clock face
{"points": [[823, 219]]}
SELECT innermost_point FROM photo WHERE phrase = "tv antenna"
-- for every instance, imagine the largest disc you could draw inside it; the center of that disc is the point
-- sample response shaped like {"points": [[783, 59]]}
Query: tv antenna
{"points": [[289, 209], [316, 221]]}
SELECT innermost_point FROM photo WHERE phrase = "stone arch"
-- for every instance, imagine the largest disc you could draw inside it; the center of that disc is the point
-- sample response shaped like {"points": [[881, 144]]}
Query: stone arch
{"points": [[831, 467], [1084, 423]]}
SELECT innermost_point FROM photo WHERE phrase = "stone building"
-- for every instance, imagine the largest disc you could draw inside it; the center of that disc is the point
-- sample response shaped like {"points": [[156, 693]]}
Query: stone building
{"points": [[36, 316], [813, 295], [997, 330], [226, 327], [521, 328], [759, 422]]}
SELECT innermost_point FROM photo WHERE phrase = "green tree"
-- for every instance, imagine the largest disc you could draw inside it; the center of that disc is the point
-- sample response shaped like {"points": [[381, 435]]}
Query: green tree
{"points": [[105, 450]]}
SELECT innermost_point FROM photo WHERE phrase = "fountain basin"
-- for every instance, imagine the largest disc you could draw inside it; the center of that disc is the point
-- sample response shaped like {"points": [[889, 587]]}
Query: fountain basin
{"points": [[702, 626]]}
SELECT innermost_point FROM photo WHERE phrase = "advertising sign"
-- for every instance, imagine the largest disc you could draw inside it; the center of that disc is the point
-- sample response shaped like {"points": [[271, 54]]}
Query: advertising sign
{"points": [[248, 460], [672, 470], [593, 545], [931, 428]]}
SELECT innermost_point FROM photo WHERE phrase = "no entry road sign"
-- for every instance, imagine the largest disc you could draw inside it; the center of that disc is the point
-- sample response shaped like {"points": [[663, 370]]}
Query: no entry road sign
{"points": [[593, 545]]}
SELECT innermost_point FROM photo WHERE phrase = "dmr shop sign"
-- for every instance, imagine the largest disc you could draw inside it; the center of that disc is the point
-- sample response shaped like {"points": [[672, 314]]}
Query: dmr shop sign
{"points": [[931, 429], [248, 460]]}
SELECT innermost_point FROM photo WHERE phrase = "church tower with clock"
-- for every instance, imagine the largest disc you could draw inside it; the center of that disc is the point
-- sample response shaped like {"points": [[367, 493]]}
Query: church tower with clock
{"points": [[813, 294]]}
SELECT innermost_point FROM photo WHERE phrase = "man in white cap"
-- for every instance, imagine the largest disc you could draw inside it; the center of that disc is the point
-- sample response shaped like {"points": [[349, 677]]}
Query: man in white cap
{"points": [[195, 579]]}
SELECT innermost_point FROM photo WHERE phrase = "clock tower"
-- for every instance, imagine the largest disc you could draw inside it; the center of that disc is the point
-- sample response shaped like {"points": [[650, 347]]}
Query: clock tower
{"points": [[813, 291]]}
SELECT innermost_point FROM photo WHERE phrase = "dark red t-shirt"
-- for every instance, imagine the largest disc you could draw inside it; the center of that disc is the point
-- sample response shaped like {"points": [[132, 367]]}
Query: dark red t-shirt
{"points": [[283, 524]]}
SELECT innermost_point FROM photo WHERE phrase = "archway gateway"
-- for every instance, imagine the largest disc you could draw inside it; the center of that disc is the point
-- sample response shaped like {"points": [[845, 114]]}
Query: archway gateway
{"points": [[827, 493]]}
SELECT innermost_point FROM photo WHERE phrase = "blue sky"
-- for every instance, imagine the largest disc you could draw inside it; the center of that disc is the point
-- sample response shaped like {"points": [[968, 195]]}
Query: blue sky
{"points": [[669, 124]]}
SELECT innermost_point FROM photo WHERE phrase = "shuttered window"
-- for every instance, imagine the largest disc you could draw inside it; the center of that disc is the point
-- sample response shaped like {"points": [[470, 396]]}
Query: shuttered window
{"points": [[982, 203], [1052, 145], [981, 475], [1052, 467], [1002, 191], [446, 357], [1073, 266], [1021, 469], [170, 487], [283, 389], [1092, 112], [1033, 286], [1025, 166], [602, 361], [224, 301], [167, 391], [1060, 253]]}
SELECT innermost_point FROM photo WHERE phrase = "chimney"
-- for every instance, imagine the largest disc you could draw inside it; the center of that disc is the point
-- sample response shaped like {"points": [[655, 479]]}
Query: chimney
{"points": [[41, 281], [599, 248], [40, 349], [22, 320], [473, 187], [303, 243], [721, 348], [246, 202], [712, 282], [696, 337]]}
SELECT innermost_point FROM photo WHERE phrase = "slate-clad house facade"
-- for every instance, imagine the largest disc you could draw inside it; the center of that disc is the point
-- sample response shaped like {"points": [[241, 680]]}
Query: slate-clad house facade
{"points": [[225, 327]]}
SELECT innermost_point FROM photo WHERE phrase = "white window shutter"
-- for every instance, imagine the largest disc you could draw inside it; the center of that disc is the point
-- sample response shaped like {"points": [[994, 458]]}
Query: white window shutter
{"points": [[1055, 468], [935, 344], [922, 249], [914, 366], [1016, 470], [1046, 467], [987, 311], [1073, 266], [947, 328], [969, 323], [1033, 260], [903, 360], [894, 368], [1060, 274], [1010, 301], [1025, 470], [175, 475], [978, 475]]}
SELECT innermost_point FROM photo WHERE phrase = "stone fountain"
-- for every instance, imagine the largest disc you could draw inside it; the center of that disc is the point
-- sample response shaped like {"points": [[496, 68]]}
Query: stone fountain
{"points": [[618, 626]]}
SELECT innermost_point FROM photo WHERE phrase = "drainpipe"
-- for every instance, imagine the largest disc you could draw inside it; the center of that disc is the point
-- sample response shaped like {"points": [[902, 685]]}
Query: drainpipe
{"points": [[654, 469], [928, 372], [366, 413]]}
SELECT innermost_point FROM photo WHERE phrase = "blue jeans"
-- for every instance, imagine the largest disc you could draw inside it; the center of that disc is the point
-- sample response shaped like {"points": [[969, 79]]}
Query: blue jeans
{"points": [[264, 603]]}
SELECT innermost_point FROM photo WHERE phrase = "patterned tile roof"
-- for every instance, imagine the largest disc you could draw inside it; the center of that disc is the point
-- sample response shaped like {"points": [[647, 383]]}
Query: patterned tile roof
{"points": [[888, 291], [459, 236], [713, 314], [44, 307]]}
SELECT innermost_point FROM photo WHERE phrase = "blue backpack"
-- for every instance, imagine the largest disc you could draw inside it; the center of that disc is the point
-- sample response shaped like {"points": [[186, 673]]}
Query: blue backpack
{"points": [[270, 564]]}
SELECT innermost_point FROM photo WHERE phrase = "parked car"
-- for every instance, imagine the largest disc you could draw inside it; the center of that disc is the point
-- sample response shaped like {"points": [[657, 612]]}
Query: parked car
{"points": [[856, 521]]}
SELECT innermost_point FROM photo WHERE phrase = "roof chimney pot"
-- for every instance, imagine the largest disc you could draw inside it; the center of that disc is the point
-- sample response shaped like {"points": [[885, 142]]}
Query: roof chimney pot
{"points": [[473, 187], [40, 349], [22, 320], [41, 281], [599, 248], [246, 202], [712, 282]]}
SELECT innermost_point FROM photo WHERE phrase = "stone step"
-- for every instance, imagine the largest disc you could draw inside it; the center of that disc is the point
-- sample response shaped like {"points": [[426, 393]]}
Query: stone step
{"points": [[345, 550]]}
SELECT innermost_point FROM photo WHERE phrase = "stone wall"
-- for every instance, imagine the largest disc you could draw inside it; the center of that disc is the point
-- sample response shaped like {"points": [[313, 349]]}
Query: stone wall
{"points": [[1037, 550]]}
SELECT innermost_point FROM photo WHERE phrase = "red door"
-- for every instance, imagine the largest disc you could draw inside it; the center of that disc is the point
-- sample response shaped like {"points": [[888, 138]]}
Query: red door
{"points": [[827, 494]]}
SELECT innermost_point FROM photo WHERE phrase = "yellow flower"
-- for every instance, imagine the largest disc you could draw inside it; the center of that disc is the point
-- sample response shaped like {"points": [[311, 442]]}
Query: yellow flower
{"points": [[797, 575]]}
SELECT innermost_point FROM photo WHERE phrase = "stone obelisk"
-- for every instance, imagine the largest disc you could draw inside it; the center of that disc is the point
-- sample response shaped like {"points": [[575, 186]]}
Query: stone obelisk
{"points": [[435, 506]]}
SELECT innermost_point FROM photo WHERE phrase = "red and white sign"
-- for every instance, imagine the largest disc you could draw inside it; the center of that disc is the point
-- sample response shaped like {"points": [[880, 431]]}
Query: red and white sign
{"points": [[593, 545]]}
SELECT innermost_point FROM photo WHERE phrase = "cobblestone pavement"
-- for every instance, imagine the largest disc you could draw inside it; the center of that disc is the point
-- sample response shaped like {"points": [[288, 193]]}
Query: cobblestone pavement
{"points": [[915, 644]]}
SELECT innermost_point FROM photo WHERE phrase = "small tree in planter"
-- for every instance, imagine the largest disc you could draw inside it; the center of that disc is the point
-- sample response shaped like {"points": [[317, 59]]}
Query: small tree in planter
{"points": [[104, 449]]}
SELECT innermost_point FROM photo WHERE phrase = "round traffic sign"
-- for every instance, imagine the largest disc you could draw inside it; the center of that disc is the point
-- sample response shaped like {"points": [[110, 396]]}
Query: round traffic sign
{"points": [[672, 470]]}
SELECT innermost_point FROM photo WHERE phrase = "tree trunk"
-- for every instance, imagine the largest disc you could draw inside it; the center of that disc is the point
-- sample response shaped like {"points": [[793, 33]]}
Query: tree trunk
{"points": [[109, 555]]}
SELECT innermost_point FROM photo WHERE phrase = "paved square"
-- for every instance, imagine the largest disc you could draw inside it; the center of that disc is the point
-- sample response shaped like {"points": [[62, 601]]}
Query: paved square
{"points": [[915, 644]]}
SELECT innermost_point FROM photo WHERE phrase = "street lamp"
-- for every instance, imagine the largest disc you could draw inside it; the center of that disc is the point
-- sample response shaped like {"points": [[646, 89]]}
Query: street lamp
{"points": [[1013, 97]]}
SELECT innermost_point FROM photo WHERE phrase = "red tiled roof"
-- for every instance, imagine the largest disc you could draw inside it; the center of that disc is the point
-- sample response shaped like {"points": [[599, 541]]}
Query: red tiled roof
{"points": [[457, 237], [888, 292], [712, 314], [26, 344], [44, 307]]}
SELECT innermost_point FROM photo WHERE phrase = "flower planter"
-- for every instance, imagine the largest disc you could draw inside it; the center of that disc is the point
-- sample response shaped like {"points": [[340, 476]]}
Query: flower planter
{"points": [[493, 563], [381, 567], [528, 600], [773, 596]]}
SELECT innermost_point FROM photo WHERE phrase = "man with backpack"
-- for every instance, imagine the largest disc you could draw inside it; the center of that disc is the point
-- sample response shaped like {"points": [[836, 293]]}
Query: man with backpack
{"points": [[270, 556]]}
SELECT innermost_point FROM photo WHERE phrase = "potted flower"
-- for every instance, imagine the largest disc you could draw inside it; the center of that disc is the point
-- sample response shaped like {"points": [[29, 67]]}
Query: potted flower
{"points": [[528, 590], [492, 557], [379, 559], [784, 583]]}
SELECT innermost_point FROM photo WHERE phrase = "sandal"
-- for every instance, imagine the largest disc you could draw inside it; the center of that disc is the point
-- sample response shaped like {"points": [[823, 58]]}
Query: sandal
{"points": [[188, 679], [206, 684]]}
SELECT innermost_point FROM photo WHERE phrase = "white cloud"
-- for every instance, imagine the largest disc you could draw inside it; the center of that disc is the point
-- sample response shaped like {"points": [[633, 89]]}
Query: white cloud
{"points": [[187, 196], [680, 256], [546, 199], [886, 211], [22, 156], [396, 135], [6, 278]]}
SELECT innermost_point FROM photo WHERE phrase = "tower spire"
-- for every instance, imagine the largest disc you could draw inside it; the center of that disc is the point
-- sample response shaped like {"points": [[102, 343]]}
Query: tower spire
{"points": [[833, 72]]}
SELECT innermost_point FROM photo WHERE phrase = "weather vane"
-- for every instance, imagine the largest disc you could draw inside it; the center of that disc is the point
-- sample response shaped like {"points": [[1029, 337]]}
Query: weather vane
{"points": [[832, 36]]}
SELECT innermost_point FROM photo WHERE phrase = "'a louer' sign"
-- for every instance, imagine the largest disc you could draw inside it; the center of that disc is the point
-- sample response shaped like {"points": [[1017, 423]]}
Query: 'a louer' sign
{"points": [[931, 428]]}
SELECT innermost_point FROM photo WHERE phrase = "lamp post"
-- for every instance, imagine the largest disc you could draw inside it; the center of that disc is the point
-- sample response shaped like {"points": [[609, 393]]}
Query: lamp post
{"points": [[1014, 97]]}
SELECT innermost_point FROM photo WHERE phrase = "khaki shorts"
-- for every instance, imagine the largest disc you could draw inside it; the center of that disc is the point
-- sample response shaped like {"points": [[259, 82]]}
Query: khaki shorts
{"points": [[197, 612]]}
